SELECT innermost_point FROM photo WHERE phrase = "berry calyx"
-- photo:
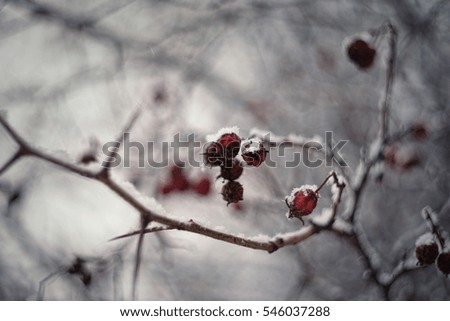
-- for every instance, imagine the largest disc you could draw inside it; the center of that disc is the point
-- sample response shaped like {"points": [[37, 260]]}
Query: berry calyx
{"points": [[231, 144], [232, 192], [254, 153], [361, 54], [231, 170], [302, 201], [443, 263]]}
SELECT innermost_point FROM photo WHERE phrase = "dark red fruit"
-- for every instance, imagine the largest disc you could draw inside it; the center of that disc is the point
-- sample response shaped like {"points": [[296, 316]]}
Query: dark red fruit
{"points": [[167, 189], [88, 158], [231, 144], [443, 263], [213, 155], [419, 131], [427, 253], [179, 180], [203, 187], [301, 203], [254, 153], [231, 170], [232, 192], [361, 54]]}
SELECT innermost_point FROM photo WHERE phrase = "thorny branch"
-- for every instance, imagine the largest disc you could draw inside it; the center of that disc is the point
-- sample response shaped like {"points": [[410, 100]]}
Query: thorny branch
{"points": [[356, 186], [270, 245]]}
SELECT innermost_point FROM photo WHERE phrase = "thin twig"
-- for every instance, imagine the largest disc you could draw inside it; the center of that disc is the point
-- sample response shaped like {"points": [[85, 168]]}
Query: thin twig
{"points": [[435, 229], [145, 231], [390, 73]]}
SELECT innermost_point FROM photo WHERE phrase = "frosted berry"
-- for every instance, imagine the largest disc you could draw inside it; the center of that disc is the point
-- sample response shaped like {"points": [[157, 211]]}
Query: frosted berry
{"points": [[232, 192], [301, 202], [203, 186], [443, 263], [231, 170], [254, 153], [361, 54], [231, 144], [213, 155], [427, 253]]}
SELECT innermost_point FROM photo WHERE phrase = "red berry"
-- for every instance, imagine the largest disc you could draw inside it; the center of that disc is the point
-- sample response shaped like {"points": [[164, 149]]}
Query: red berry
{"points": [[203, 187], [88, 158], [167, 189], [301, 202], [178, 179], [419, 131], [213, 155], [254, 153], [443, 263], [231, 144], [361, 54], [231, 170], [181, 183], [232, 192], [427, 253]]}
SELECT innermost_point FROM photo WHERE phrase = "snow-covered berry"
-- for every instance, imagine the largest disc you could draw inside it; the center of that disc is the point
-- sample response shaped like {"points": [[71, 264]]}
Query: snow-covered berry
{"points": [[302, 201], [232, 192], [253, 152], [231, 144], [427, 249], [443, 263], [361, 54], [231, 170], [427, 253]]}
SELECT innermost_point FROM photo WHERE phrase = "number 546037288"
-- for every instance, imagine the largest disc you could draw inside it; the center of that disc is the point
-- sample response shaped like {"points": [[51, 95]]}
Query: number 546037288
{"points": [[296, 311]]}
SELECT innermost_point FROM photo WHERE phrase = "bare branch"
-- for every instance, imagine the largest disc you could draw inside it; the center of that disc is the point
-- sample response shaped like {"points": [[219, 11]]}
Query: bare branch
{"points": [[145, 231]]}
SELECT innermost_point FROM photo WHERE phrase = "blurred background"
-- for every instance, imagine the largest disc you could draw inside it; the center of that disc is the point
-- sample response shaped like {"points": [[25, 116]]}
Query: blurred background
{"points": [[74, 72]]}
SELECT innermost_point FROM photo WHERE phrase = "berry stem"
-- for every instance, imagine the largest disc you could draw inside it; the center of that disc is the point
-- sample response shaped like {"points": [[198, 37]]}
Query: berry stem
{"points": [[435, 228], [336, 181]]}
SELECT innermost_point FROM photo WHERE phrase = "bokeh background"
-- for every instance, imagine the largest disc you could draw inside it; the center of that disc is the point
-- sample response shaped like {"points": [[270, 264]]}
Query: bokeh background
{"points": [[73, 72]]}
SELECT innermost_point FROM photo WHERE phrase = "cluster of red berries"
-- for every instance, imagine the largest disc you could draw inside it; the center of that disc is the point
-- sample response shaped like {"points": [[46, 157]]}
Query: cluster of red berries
{"points": [[400, 158], [223, 152], [428, 252], [361, 54], [178, 182], [302, 201]]}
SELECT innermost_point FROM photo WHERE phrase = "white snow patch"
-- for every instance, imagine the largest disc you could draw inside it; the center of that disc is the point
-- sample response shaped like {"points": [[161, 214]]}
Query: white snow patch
{"points": [[251, 145], [220, 132], [296, 139], [343, 226], [290, 198], [260, 238], [324, 217], [426, 239], [434, 218], [149, 202]]}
